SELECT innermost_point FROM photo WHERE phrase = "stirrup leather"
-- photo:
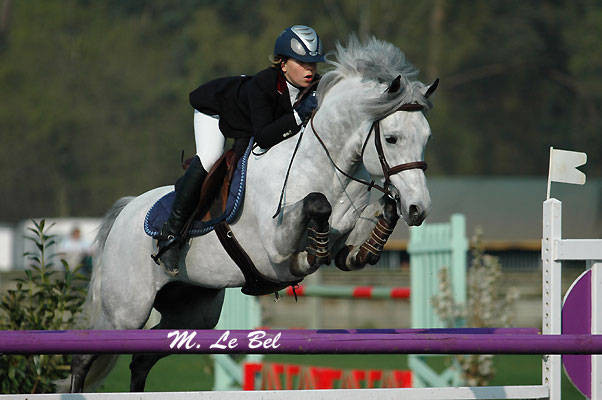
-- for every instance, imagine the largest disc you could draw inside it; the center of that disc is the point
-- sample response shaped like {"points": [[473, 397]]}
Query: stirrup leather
{"points": [[164, 245]]}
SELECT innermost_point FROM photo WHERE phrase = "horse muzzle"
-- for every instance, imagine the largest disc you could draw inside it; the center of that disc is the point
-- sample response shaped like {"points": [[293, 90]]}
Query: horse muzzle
{"points": [[413, 208], [416, 215]]}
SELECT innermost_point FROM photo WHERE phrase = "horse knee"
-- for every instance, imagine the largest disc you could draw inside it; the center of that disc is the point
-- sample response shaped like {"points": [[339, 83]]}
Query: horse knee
{"points": [[317, 207]]}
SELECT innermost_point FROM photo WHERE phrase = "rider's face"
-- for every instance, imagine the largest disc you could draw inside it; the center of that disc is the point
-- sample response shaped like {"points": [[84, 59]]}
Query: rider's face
{"points": [[299, 73]]}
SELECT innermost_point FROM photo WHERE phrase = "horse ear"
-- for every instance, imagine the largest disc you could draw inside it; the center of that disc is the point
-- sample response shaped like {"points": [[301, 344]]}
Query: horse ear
{"points": [[432, 88], [395, 85]]}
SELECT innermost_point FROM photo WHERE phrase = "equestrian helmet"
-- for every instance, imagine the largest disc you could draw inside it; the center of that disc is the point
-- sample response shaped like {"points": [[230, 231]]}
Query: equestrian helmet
{"points": [[301, 43]]}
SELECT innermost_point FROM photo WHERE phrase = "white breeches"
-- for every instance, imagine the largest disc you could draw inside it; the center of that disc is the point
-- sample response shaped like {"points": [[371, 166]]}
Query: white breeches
{"points": [[208, 138]]}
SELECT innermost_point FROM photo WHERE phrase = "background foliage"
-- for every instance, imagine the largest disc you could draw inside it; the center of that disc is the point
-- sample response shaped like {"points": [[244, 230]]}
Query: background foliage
{"points": [[94, 104], [488, 304], [44, 299]]}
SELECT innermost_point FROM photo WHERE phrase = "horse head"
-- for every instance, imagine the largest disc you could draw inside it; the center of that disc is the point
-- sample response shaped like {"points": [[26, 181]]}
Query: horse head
{"points": [[390, 131], [396, 151]]}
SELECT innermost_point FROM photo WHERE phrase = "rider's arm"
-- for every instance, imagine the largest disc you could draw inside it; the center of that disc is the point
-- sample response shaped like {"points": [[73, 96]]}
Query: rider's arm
{"points": [[267, 130]]}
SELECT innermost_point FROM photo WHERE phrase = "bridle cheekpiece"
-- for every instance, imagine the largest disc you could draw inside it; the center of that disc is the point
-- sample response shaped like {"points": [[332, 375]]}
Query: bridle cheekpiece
{"points": [[388, 171]]}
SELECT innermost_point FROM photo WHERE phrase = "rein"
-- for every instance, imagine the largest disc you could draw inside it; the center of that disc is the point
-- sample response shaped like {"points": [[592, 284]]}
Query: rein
{"points": [[387, 170]]}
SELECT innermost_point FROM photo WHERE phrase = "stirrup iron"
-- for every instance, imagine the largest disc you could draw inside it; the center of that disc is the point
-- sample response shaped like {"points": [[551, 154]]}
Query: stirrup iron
{"points": [[163, 249]]}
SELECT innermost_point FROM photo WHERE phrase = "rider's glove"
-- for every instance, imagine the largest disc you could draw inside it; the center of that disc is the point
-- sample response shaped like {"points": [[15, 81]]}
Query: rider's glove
{"points": [[306, 106]]}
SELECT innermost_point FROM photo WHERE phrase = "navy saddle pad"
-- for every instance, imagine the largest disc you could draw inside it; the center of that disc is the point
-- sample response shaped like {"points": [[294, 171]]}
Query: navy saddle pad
{"points": [[159, 212]]}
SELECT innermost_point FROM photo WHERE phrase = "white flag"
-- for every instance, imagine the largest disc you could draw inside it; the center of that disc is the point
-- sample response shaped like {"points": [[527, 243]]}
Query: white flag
{"points": [[563, 166]]}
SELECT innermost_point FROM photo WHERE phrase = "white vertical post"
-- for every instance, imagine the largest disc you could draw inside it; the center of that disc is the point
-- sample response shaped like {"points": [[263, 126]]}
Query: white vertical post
{"points": [[552, 292], [459, 247], [549, 175], [596, 327]]}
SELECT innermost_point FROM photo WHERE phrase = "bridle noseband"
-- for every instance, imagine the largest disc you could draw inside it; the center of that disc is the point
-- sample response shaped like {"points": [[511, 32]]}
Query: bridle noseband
{"points": [[388, 171]]}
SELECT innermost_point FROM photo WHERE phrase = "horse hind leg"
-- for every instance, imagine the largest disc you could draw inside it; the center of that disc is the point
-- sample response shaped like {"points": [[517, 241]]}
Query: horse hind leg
{"points": [[80, 365], [317, 211], [182, 306], [89, 370], [140, 367]]}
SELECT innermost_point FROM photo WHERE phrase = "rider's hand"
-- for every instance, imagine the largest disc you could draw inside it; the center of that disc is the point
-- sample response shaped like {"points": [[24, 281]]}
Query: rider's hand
{"points": [[306, 107]]}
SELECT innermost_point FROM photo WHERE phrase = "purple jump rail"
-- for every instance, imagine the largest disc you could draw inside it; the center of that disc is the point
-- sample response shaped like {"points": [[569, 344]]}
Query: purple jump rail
{"points": [[372, 341]]}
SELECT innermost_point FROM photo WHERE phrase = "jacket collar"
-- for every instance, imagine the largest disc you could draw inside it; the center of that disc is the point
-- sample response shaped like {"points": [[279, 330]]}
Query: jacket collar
{"points": [[281, 84]]}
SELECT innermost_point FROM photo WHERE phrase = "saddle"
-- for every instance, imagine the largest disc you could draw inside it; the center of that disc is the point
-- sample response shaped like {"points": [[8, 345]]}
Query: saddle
{"points": [[221, 195], [215, 189]]}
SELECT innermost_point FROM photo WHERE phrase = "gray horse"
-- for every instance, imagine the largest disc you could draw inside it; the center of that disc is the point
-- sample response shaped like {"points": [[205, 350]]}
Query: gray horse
{"points": [[370, 110]]}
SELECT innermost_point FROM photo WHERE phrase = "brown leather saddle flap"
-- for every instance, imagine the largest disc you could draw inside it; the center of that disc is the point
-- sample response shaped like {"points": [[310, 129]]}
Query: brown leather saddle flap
{"points": [[214, 192]]}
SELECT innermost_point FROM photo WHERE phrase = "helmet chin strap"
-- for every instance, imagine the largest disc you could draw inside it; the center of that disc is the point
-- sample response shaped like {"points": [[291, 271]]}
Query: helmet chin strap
{"points": [[289, 81], [285, 75]]}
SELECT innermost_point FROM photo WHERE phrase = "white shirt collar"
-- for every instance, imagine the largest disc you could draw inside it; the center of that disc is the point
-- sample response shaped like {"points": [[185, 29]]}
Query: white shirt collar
{"points": [[293, 92]]}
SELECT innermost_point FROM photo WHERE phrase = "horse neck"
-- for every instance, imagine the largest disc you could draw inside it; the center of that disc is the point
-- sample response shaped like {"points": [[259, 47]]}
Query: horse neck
{"points": [[341, 119], [340, 134], [338, 138]]}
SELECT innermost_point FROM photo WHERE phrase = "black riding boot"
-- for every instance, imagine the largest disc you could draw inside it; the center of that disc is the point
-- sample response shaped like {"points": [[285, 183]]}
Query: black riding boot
{"points": [[188, 191]]}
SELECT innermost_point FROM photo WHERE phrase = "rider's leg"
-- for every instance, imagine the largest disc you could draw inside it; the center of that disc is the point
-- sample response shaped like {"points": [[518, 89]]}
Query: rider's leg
{"points": [[210, 146], [208, 138]]}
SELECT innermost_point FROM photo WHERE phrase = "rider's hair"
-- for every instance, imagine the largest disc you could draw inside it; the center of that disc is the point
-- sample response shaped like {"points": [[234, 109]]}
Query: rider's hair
{"points": [[276, 60]]}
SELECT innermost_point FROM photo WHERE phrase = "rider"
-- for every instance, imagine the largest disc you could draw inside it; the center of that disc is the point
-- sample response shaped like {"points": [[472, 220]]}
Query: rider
{"points": [[271, 106]]}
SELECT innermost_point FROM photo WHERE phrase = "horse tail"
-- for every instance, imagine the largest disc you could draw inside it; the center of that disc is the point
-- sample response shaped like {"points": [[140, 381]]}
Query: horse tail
{"points": [[108, 220], [92, 316], [92, 306]]}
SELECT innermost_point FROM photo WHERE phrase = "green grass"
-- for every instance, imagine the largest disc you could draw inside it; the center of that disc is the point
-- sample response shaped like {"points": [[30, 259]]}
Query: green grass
{"points": [[194, 372], [179, 372]]}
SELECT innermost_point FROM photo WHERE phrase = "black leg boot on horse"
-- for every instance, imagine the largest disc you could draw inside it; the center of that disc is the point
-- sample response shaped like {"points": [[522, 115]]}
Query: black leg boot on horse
{"points": [[188, 190]]}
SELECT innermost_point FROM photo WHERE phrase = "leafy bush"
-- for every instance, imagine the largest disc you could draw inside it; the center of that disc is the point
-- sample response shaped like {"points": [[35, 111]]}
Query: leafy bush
{"points": [[489, 304], [46, 299]]}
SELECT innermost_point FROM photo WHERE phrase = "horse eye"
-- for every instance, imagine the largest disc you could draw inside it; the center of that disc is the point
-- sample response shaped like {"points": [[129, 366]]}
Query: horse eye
{"points": [[391, 139]]}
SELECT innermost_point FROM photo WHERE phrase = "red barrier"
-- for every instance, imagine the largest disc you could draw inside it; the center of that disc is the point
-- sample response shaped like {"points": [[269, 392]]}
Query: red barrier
{"points": [[276, 376], [400, 293], [362, 292]]}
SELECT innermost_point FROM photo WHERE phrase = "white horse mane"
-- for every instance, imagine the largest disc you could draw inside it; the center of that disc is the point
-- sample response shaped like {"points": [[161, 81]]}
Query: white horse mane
{"points": [[380, 62]]}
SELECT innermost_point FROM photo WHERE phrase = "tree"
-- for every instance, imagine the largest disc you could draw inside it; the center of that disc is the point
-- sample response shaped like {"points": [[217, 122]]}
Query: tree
{"points": [[94, 94]]}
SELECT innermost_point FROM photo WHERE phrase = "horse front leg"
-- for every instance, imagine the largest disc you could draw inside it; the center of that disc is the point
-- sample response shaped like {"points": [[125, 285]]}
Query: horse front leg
{"points": [[352, 257], [302, 237], [316, 212]]}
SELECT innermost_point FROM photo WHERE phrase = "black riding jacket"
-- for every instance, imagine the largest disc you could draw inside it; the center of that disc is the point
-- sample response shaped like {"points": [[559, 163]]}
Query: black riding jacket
{"points": [[248, 106]]}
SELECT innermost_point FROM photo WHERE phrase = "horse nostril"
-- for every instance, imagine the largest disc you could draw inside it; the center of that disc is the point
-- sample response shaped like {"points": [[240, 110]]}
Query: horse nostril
{"points": [[413, 211], [416, 214]]}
